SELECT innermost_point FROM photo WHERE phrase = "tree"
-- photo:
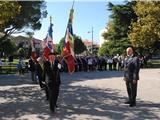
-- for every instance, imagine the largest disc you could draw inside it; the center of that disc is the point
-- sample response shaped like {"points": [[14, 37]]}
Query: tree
{"points": [[30, 15], [9, 10], [104, 49], [20, 16], [145, 31], [7, 47], [112, 47], [120, 20], [79, 46], [118, 28], [60, 46]]}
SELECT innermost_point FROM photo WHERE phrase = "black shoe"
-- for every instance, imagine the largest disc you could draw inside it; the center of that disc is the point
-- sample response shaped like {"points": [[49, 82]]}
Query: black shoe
{"points": [[56, 106], [52, 110], [127, 102], [132, 104]]}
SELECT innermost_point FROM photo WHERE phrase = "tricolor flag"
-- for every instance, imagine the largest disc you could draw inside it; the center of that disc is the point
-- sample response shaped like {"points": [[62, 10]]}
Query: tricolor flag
{"points": [[68, 47], [48, 42]]}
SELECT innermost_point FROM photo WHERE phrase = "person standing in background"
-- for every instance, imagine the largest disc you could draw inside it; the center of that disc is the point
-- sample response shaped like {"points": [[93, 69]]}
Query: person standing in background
{"points": [[131, 75], [32, 69], [1, 63]]}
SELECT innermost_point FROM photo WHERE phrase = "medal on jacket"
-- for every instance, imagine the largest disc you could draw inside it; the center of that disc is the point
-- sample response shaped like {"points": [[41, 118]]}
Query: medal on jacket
{"points": [[128, 60]]}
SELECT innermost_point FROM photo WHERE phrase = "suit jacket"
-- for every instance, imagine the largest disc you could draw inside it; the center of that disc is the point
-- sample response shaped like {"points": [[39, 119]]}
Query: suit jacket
{"points": [[52, 73], [32, 65], [40, 72], [131, 68]]}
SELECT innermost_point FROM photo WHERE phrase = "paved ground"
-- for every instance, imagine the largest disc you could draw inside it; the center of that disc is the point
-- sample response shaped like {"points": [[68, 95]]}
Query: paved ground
{"points": [[83, 96]]}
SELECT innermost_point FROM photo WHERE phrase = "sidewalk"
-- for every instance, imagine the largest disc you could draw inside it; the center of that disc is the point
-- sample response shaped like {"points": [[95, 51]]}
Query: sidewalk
{"points": [[83, 96]]}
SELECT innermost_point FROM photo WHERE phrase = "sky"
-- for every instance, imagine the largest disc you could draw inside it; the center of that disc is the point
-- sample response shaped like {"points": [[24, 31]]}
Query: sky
{"points": [[87, 14]]}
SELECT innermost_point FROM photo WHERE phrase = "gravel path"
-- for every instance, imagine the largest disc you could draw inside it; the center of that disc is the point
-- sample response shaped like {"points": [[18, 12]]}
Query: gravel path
{"points": [[83, 96]]}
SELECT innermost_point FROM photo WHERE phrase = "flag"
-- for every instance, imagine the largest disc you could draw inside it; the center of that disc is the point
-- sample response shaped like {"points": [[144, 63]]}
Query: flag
{"points": [[68, 47], [48, 43], [33, 53]]}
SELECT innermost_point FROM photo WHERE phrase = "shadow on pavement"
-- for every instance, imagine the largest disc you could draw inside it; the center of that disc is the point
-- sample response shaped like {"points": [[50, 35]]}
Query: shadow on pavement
{"points": [[80, 76], [15, 79], [75, 102]]}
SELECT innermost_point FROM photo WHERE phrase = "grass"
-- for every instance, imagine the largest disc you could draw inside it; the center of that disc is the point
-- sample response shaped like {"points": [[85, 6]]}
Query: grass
{"points": [[8, 70], [10, 67], [154, 63]]}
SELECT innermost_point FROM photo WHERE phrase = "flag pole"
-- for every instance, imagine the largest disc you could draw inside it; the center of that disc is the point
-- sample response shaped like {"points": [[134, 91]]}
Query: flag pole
{"points": [[50, 19], [73, 4], [72, 21]]}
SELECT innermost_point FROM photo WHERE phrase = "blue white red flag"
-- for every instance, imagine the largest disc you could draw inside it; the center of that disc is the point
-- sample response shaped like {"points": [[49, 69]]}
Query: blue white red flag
{"points": [[48, 42]]}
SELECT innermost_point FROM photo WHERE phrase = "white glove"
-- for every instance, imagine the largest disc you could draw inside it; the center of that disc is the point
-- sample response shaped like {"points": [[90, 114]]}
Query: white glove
{"points": [[59, 66]]}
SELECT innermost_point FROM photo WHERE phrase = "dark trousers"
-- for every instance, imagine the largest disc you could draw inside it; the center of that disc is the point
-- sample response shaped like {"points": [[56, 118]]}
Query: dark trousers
{"points": [[33, 76], [132, 91], [110, 66], [53, 93], [47, 92], [40, 78]]}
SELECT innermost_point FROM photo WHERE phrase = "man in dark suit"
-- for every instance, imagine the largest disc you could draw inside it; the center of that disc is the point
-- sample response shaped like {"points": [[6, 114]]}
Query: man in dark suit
{"points": [[32, 69], [131, 75], [52, 67], [40, 72]]}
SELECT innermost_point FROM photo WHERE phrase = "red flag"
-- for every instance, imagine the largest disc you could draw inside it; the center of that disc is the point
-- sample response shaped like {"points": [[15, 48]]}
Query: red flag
{"points": [[46, 52], [33, 53], [68, 47], [70, 63]]}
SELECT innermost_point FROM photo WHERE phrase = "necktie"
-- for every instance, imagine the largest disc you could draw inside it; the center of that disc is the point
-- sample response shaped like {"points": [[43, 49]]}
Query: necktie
{"points": [[52, 65]]}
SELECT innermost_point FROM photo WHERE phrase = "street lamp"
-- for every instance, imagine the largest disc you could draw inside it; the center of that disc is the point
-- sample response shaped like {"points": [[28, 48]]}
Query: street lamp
{"points": [[92, 40]]}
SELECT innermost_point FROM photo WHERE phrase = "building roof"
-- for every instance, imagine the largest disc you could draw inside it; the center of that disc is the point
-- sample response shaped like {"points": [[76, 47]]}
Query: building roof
{"points": [[87, 42], [37, 41]]}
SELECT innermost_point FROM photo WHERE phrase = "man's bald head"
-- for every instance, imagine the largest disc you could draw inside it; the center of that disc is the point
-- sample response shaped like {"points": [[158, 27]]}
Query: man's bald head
{"points": [[129, 51]]}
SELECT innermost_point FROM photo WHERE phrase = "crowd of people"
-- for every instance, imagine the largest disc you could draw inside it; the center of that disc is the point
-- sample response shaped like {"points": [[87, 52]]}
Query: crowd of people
{"points": [[93, 63], [100, 63], [47, 72]]}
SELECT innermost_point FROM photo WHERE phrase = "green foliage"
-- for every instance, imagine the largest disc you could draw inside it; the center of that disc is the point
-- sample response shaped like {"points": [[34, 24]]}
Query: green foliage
{"points": [[79, 46], [57, 49], [19, 16], [120, 20], [146, 30], [20, 52], [153, 63], [7, 47], [114, 47], [104, 49], [30, 15], [9, 9], [118, 29], [60, 46], [11, 67], [9, 70]]}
